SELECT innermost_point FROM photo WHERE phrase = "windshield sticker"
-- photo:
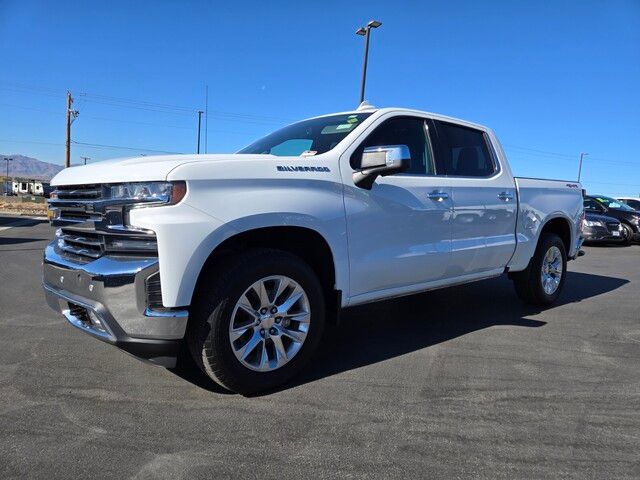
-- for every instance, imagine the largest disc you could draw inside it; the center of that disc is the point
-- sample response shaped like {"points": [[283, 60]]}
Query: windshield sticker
{"points": [[344, 127]]}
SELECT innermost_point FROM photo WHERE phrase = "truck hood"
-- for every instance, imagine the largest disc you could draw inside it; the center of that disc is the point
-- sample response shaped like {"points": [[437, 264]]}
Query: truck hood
{"points": [[140, 169]]}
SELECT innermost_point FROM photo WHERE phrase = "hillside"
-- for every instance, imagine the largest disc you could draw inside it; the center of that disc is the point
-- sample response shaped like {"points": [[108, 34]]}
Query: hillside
{"points": [[28, 167]]}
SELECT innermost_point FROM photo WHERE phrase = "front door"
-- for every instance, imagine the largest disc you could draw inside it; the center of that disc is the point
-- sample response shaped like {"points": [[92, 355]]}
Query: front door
{"points": [[399, 232]]}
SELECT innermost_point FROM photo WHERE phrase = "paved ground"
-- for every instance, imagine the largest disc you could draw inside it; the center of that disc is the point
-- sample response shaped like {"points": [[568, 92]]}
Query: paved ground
{"points": [[452, 384]]}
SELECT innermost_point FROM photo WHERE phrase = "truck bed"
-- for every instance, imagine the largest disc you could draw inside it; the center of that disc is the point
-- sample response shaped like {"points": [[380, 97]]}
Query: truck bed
{"points": [[541, 200]]}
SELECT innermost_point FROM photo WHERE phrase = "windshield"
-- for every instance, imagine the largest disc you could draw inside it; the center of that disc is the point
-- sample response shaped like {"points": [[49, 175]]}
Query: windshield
{"points": [[309, 137], [613, 203]]}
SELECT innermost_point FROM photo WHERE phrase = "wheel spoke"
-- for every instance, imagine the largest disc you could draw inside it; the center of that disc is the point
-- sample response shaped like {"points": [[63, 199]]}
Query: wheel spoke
{"points": [[245, 305], [263, 295], [281, 353], [264, 358], [250, 346], [294, 335], [236, 333], [281, 285], [291, 301], [302, 317]]}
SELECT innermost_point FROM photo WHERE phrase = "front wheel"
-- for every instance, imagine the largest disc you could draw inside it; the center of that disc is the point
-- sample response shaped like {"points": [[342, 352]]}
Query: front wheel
{"points": [[257, 320], [542, 281], [627, 234]]}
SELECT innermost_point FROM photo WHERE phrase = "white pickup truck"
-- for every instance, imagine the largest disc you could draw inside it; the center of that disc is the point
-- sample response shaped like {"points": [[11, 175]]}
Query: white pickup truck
{"points": [[246, 256]]}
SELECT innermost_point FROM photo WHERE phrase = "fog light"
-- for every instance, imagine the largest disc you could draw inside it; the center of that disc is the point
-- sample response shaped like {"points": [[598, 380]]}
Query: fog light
{"points": [[95, 321]]}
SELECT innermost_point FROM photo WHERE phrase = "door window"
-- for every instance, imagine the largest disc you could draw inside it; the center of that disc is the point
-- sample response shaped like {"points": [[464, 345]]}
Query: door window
{"points": [[463, 151], [409, 131], [591, 205]]}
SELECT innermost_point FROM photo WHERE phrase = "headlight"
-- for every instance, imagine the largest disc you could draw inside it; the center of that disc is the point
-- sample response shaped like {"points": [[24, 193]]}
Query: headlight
{"points": [[155, 192], [593, 223]]}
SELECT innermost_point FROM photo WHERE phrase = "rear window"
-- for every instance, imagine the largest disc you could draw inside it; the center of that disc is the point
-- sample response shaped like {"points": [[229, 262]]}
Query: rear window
{"points": [[463, 151]]}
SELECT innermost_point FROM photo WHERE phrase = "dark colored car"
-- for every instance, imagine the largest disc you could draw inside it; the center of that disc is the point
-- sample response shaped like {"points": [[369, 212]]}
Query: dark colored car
{"points": [[601, 229], [629, 218], [631, 201]]}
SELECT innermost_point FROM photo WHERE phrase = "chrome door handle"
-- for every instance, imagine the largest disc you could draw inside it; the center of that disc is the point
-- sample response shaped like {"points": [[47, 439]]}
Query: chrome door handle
{"points": [[439, 196], [506, 196]]}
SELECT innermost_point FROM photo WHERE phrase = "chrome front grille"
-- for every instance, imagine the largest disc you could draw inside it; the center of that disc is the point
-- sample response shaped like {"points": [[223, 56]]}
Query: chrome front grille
{"points": [[93, 225], [80, 192], [85, 245], [612, 227], [94, 244]]}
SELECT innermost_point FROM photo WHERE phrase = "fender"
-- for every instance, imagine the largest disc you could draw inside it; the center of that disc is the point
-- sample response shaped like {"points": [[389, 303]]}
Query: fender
{"points": [[191, 271]]}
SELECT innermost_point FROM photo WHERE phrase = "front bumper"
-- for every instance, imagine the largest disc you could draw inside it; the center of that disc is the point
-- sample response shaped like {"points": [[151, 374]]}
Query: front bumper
{"points": [[108, 299], [600, 234]]}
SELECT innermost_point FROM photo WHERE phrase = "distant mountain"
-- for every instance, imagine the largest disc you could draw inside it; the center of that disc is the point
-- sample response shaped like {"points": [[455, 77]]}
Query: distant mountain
{"points": [[27, 167]]}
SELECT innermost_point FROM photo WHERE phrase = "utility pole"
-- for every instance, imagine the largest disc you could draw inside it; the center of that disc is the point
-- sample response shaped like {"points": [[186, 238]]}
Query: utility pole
{"points": [[71, 116], [582, 155], [206, 118], [6, 159], [85, 159], [200, 112], [366, 32]]}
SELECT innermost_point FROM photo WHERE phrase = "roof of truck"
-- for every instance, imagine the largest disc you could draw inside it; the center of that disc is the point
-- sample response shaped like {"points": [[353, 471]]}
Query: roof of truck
{"points": [[382, 111]]}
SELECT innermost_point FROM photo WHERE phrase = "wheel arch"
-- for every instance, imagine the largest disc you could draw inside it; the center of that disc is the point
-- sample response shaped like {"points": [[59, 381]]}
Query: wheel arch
{"points": [[308, 244], [561, 226]]}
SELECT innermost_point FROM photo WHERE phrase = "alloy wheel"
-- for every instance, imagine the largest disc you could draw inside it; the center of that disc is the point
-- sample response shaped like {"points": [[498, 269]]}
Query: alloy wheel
{"points": [[269, 323], [551, 273]]}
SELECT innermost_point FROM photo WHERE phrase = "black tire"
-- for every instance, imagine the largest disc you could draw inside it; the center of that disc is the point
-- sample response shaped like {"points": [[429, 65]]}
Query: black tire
{"points": [[627, 234], [216, 297], [528, 283]]}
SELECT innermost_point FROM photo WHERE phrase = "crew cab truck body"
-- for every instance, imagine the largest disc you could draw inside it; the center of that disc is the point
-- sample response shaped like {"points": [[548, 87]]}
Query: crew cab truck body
{"points": [[245, 256]]}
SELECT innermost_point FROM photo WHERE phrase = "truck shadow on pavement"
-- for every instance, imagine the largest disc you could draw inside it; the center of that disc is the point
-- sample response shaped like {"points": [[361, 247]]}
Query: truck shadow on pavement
{"points": [[16, 241], [376, 332], [8, 220], [373, 333]]}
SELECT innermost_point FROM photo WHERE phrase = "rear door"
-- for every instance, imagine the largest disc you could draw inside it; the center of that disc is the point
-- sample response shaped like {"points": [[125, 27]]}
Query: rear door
{"points": [[484, 199]]}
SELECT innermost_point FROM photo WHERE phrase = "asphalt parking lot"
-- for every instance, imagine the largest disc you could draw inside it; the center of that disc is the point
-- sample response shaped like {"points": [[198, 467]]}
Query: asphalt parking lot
{"points": [[458, 383]]}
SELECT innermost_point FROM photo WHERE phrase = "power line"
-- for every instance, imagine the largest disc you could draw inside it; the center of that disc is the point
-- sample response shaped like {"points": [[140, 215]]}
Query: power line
{"points": [[599, 160], [31, 141], [545, 152], [143, 104], [120, 147]]}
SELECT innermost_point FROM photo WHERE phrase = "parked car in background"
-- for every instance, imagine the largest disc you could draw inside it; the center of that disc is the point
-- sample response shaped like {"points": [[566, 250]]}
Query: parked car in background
{"points": [[629, 218], [602, 229], [633, 202]]}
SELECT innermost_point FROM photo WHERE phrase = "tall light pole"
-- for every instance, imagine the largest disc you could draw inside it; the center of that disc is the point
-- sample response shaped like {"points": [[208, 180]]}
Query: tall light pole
{"points": [[6, 188], [582, 155], [200, 112], [85, 159], [366, 32]]}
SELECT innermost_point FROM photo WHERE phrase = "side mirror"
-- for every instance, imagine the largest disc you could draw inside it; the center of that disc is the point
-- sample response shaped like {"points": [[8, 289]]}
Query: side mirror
{"points": [[383, 160]]}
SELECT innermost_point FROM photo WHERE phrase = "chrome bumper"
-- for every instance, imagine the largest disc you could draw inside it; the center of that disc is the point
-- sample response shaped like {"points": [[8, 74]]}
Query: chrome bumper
{"points": [[107, 299]]}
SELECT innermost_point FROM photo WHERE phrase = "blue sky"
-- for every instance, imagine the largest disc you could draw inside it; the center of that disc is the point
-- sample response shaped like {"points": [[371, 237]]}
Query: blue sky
{"points": [[551, 78]]}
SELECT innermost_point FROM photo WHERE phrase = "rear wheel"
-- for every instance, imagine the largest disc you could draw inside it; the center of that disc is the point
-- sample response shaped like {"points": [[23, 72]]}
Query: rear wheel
{"points": [[257, 320], [542, 281]]}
